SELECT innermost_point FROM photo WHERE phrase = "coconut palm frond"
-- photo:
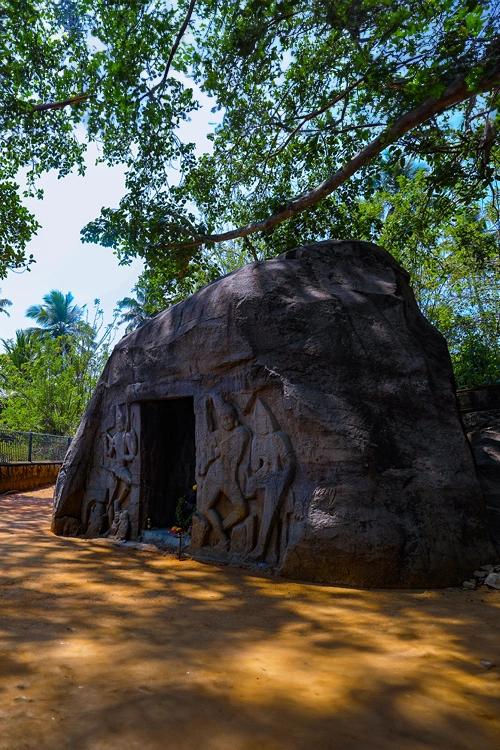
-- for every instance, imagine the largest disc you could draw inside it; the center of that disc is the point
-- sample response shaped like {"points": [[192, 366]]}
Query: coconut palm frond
{"points": [[4, 302], [57, 315]]}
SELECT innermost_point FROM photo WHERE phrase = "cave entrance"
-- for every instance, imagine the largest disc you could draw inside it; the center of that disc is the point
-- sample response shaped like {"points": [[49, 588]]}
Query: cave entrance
{"points": [[168, 459]]}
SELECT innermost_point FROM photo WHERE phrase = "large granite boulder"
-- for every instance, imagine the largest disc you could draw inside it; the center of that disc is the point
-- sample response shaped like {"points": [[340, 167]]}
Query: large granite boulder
{"points": [[313, 406]]}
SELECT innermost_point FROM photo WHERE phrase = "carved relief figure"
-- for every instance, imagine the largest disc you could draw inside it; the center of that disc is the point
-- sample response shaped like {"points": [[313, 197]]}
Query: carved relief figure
{"points": [[121, 449], [220, 467], [96, 518], [272, 467], [120, 527]]}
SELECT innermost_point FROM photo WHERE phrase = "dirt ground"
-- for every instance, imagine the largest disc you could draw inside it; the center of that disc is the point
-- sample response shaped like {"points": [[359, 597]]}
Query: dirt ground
{"points": [[103, 648]]}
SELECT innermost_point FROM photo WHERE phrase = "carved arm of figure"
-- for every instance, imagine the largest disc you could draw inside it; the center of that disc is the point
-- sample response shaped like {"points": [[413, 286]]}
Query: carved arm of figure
{"points": [[259, 465], [242, 467], [211, 454], [130, 444], [109, 445], [286, 457]]}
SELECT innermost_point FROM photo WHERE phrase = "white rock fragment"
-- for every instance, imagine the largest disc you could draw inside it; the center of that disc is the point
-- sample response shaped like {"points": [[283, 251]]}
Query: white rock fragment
{"points": [[493, 580], [487, 664]]}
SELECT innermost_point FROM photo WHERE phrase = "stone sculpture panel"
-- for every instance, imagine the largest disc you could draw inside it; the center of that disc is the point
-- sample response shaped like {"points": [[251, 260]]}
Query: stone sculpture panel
{"points": [[96, 521], [271, 471], [246, 470], [219, 470], [120, 450], [120, 527], [107, 501]]}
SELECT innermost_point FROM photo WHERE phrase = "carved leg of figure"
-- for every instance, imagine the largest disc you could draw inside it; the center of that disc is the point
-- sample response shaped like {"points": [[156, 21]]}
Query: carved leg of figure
{"points": [[123, 484], [266, 525], [240, 507], [119, 493], [111, 503], [215, 521], [208, 509], [123, 493], [273, 500], [200, 530]]}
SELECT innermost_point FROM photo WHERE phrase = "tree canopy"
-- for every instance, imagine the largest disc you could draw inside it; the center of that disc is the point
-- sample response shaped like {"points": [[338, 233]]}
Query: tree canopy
{"points": [[310, 97], [318, 108]]}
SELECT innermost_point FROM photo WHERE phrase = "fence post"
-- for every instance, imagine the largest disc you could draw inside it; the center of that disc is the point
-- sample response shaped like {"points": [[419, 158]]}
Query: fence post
{"points": [[30, 446]]}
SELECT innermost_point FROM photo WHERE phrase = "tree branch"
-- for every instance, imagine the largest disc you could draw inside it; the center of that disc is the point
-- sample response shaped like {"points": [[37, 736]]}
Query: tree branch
{"points": [[60, 105], [174, 49], [455, 93], [251, 249]]}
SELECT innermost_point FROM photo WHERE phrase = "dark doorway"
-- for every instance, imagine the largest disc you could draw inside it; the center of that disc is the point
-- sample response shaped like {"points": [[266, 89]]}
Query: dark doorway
{"points": [[168, 458]]}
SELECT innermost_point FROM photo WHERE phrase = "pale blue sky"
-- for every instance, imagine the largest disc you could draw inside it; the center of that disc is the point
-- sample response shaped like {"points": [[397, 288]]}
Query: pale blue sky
{"points": [[62, 261]]}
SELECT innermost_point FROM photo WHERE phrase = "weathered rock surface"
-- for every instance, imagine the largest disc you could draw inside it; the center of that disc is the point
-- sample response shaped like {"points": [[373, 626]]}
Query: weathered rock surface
{"points": [[483, 432], [488, 575], [313, 406]]}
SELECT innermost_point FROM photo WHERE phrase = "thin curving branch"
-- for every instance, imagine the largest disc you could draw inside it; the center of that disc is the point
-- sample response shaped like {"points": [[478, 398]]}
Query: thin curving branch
{"points": [[306, 118], [174, 49], [456, 92]]}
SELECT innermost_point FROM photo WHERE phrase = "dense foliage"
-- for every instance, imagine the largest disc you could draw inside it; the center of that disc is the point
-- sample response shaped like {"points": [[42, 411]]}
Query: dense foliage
{"points": [[305, 93], [46, 380]]}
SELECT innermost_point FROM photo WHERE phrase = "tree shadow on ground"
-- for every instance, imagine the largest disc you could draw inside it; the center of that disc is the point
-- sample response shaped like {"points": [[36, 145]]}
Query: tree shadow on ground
{"points": [[104, 647]]}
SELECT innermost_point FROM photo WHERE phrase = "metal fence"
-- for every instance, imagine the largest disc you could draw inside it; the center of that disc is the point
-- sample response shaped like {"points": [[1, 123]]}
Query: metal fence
{"points": [[18, 447]]}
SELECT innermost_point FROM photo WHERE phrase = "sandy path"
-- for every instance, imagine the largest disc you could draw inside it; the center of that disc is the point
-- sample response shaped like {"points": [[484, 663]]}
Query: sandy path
{"points": [[103, 648]]}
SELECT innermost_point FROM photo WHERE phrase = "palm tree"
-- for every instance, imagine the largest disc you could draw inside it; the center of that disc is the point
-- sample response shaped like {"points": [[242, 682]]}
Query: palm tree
{"points": [[57, 316], [132, 311], [3, 304], [20, 350]]}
